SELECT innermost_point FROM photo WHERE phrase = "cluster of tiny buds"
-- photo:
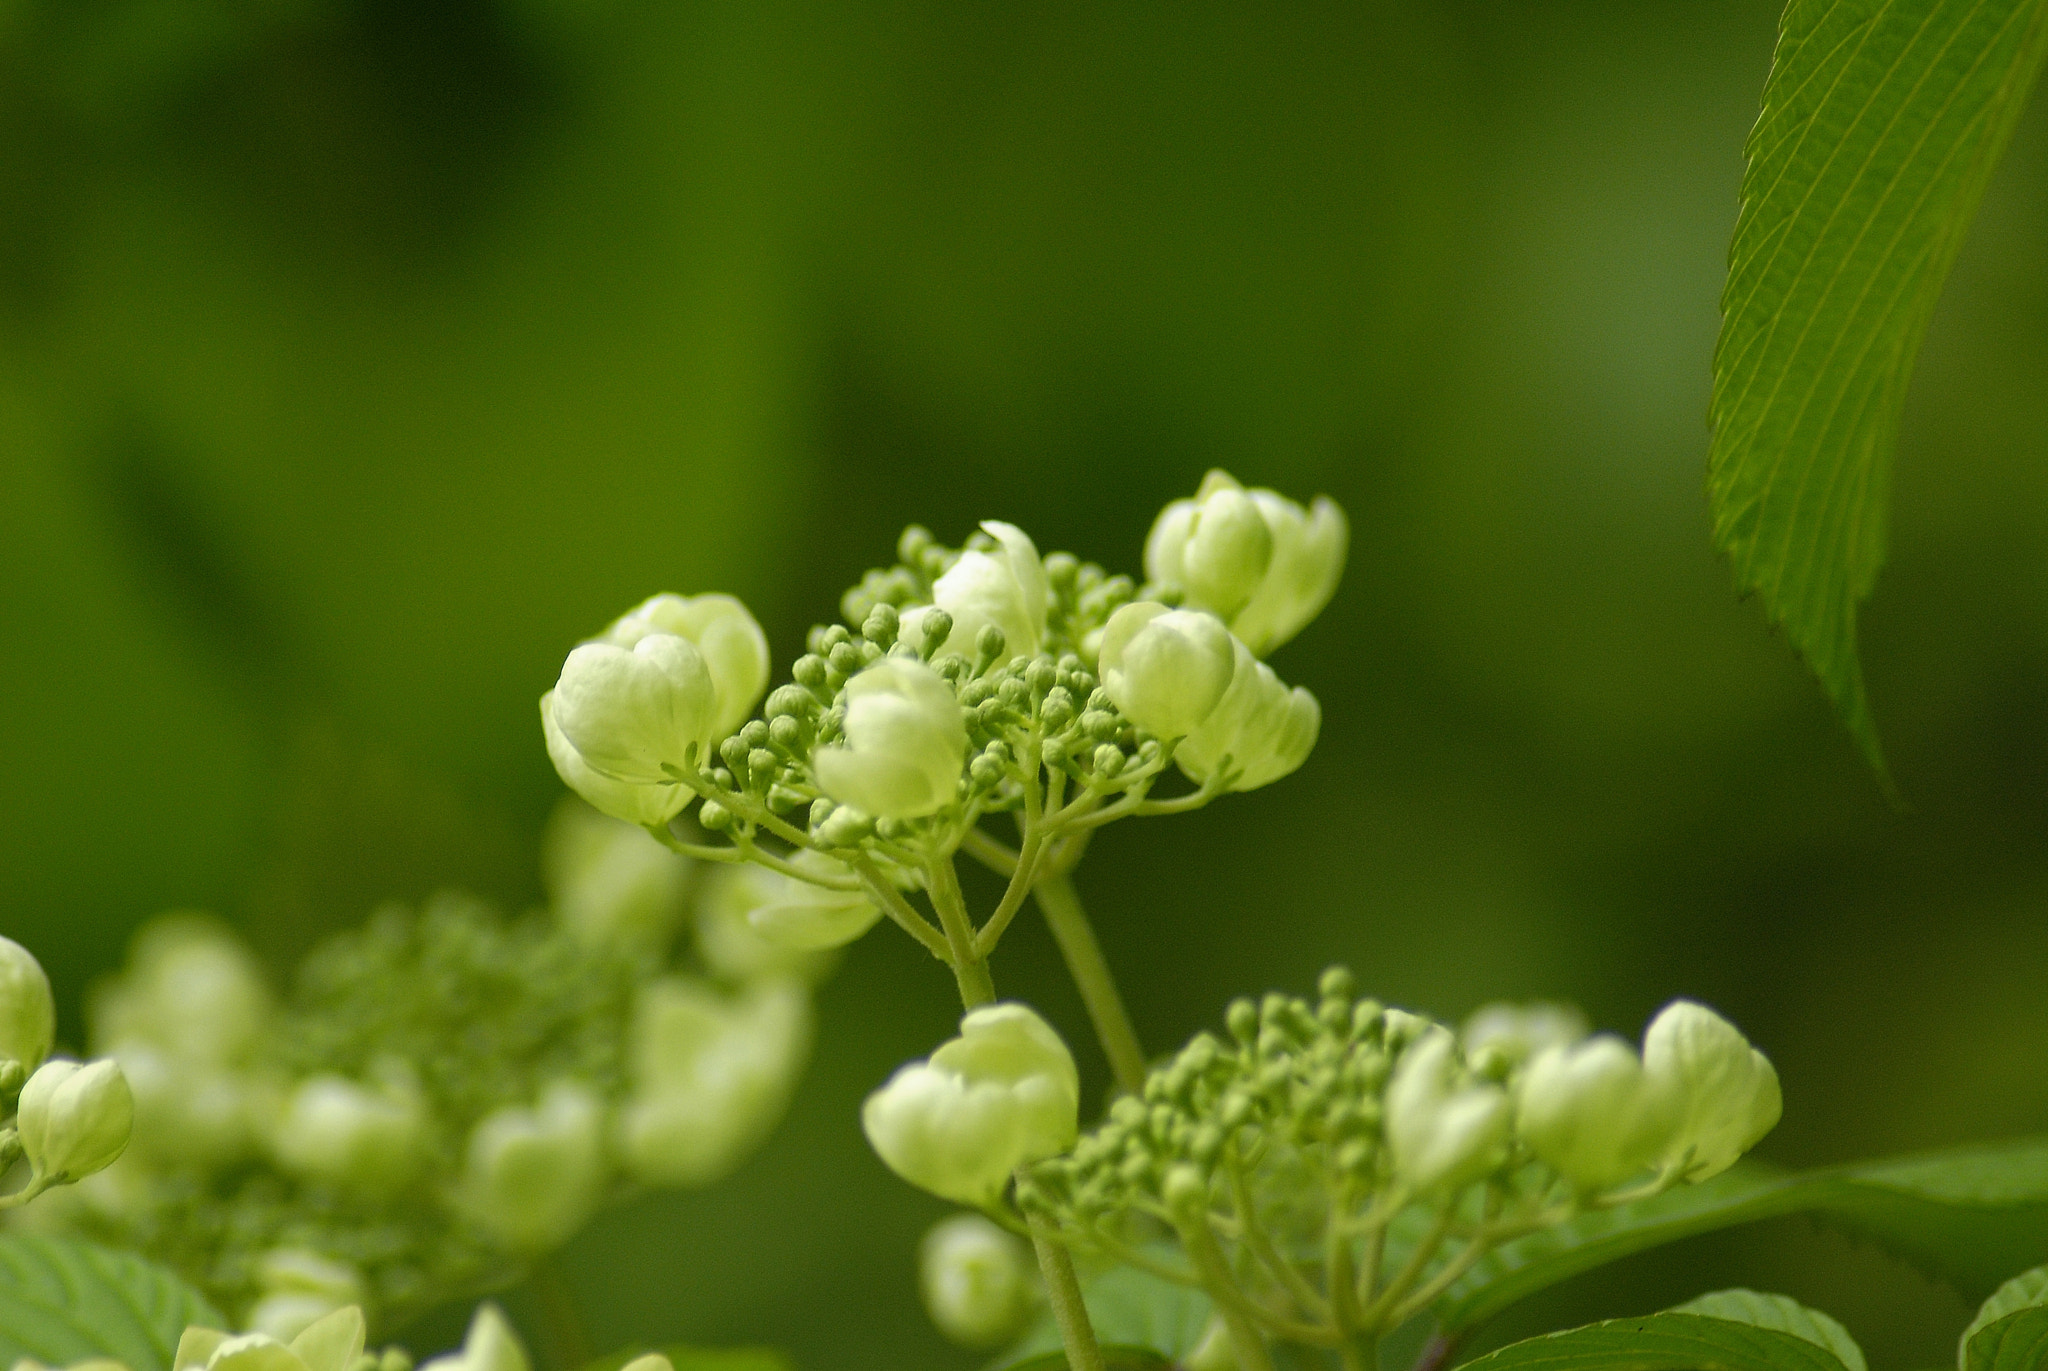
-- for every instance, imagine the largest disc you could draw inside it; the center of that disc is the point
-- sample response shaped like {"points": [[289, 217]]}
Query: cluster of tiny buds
{"points": [[1057, 699], [1296, 1074]]}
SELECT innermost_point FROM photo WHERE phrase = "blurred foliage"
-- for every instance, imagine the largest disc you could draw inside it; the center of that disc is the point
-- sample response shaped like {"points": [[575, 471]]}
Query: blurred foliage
{"points": [[357, 357]]}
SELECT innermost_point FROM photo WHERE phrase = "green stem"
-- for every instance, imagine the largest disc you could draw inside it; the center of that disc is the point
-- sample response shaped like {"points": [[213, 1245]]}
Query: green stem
{"points": [[1057, 897], [970, 968], [1245, 1339], [1063, 1293]]}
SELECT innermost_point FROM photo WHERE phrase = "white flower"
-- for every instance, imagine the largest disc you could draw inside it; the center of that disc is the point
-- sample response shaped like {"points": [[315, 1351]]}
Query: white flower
{"points": [[753, 921], [28, 1016], [336, 1130], [632, 712], [1258, 732], [1443, 1136], [637, 802], [734, 649], [74, 1119], [1003, 1093], [490, 1345], [1006, 588], [906, 743], [1266, 588], [1727, 1091], [1519, 1031], [711, 1075], [531, 1176], [1593, 1113], [300, 1287], [191, 988], [330, 1343], [1167, 670], [608, 882], [979, 1282]]}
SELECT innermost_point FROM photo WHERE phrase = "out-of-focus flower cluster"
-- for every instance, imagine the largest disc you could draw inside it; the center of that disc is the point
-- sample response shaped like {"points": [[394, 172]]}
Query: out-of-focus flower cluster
{"points": [[445, 1094]]}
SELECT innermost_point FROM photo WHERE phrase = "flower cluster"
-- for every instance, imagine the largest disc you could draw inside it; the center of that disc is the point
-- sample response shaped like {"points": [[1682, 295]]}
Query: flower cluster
{"points": [[67, 1119], [1329, 1168], [446, 1094]]}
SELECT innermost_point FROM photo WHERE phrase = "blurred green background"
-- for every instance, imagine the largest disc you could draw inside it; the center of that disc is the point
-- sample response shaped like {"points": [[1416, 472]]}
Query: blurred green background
{"points": [[357, 356]]}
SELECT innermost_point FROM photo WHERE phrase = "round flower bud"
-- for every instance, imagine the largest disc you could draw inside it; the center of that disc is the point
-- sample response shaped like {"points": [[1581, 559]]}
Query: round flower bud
{"points": [[711, 1075], [979, 1283], [74, 1119], [636, 802], [1726, 1091], [1258, 732], [608, 882], [532, 1176], [1003, 1093], [1004, 589], [340, 1132], [1592, 1113], [1268, 589], [630, 712], [906, 743], [490, 1345], [1442, 1136], [1518, 1032], [191, 988], [1166, 669], [734, 649], [28, 1016]]}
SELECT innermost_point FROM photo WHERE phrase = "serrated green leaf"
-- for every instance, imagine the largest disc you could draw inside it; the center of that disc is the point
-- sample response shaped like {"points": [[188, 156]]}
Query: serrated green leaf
{"points": [[1969, 1216], [1665, 1342], [2010, 1333], [1787, 1315], [63, 1301], [1881, 123], [1130, 1309]]}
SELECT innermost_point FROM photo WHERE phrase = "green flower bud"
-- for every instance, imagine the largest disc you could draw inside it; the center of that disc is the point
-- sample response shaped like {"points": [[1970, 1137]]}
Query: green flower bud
{"points": [[330, 1343], [1443, 1136], [734, 948], [1258, 732], [1592, 1113], [300, 1287], [1003, 1093], [630, 712], [1004, 589], [532, 1176], [906, 743], [1727, 1092], [1518, 1032], [1268, 589], [797, 916], [191, 988], [340, 1132], [28, 1016], [979, 1283], [734, 649], [1166, 669], [637, 802], [608, 882], [74, 1119], [711, 1075], [490, 1345]]}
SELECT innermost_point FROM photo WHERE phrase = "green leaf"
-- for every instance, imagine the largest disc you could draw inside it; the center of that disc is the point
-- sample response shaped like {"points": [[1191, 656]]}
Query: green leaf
{"points": [[1746, 1332], [63, 1301], [1132, 1310], [1783, 1313], [2010, 1333], [1970, 1216], [1882, 121]]}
